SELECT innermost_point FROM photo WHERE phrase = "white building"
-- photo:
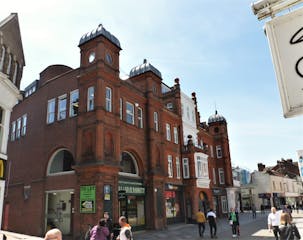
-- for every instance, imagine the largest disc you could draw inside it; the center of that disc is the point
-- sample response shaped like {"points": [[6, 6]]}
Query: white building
{"points": [[273, 189], [11, 67]]}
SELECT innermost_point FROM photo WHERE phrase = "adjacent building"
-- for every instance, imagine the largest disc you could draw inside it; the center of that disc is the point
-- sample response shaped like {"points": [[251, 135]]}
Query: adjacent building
{"points": [[11, 68], [277, 185], [92, 142]]}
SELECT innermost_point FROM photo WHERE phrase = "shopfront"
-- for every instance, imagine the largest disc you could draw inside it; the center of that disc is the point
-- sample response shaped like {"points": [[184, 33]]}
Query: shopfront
{"points": [[174, 203], [278, 199], [220, 204], [265, 200], [132, 202]]}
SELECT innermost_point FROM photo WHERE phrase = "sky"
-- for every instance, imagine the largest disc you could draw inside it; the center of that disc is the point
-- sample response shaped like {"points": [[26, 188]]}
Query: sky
{"points": [[216, 48]]}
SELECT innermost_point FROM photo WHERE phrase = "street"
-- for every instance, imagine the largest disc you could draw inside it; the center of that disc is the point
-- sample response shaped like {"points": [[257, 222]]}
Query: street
{"points": [[250, 229]]}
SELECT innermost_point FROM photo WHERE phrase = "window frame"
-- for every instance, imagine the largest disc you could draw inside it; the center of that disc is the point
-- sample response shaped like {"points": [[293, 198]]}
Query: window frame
{"points": [[176, 138], [71, 103], [53, 113], [64, 110], [221, 179], [178, 168], [168, 132], [156, 121], [130, 113], [140, 117], [24, 125], [90, 105], [219, 151], [224, 204], [13, 131], [108, 99], [214, 176], [170, 166], [199, 172], [18, 128], [185, 164]]}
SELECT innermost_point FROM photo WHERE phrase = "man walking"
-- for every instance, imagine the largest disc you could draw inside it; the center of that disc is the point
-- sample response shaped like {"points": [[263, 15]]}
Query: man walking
{"points": [[200, 218], [274, 222], [211, 217]]}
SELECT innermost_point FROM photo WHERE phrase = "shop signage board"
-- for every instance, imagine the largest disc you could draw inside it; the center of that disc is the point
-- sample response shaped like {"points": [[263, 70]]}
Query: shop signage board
{"points": [[131, 188], [285, 37], [88, 199], [300, 155]]}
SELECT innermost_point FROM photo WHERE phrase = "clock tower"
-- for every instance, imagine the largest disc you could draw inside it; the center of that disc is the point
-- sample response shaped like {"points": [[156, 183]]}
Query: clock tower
{"points": [[98, 126]]}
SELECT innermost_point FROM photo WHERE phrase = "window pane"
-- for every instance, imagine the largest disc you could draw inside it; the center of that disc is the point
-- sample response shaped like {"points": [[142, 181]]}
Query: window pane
{"points": [[108, 99], [74, 103], [62, 108], [51, 111], [18, 128], [90, 98], [13, 131], [24, 122], [129, 113], [140, 118], [156, 122]]}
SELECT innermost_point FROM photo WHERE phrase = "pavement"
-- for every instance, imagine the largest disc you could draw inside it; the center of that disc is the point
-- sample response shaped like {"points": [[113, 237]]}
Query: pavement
{"points": [[250, 228]]}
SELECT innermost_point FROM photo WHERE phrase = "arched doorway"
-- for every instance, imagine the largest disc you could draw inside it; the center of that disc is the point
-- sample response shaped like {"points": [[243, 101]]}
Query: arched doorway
{"points": [[131, 191], [59, 203]]}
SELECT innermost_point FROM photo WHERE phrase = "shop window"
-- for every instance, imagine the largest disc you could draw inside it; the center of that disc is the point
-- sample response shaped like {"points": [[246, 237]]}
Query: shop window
{"points": [[61, 162], [128, 164], [74, 103]]}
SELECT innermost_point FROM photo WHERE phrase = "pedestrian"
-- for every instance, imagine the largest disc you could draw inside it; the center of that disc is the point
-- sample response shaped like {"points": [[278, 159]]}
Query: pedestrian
{"points": [[53, 234], [200, 218], [109, 225], [100, 231], [254, 211], [125, 232], [234, 222], [289, 232], [274, 222], [211, 217]]}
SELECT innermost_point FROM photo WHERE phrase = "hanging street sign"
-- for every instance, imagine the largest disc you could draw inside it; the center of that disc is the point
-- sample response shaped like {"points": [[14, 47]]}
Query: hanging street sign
{"points": [[285, 37]]}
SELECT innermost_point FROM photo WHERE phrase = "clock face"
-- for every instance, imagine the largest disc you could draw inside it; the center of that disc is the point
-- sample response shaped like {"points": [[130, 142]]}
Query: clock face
{"points": [[91, 57]]}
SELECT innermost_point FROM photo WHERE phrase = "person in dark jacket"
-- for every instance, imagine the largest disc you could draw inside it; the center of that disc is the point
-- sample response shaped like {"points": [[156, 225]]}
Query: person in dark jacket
{"points": [[289, 232], [211, 217], [109, 225]]}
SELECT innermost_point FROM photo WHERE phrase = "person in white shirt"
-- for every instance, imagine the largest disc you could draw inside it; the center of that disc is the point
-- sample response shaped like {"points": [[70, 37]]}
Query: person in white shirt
{"points": [[274, 222], [125, 231]]}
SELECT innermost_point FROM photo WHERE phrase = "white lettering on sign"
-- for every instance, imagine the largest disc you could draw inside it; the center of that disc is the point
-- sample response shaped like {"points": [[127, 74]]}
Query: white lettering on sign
{"points": [[285, 36]]}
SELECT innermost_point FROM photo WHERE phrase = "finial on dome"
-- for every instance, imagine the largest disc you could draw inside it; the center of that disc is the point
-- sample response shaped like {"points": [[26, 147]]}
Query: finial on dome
{"points": [[177, 80], [144, 60]]}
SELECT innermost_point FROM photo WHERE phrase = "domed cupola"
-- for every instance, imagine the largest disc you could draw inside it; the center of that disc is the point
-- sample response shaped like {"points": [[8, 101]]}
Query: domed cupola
{"points": [[216, 118], [145, 67], [99, 31]]}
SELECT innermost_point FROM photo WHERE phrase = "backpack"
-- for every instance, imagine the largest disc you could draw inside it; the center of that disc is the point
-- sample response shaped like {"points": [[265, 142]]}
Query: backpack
{"points": [[129, 234]]}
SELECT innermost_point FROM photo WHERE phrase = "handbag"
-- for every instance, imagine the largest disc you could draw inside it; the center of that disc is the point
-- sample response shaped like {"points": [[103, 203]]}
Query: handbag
{"points": [[231, 222]]}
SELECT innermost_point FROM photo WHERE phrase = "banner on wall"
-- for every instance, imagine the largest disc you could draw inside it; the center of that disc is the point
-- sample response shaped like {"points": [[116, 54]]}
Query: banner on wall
{"points": [[88, 199]]}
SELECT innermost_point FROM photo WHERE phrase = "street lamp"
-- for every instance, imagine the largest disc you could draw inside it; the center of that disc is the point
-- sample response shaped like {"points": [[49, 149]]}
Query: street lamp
{"points": [[268, 8]]}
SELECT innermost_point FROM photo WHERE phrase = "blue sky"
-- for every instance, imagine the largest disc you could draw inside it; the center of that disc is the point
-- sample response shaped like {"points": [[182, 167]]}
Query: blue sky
{"points": [[216, 48]]}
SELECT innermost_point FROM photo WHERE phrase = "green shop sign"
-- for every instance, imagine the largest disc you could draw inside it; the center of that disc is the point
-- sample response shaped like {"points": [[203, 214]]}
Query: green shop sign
{"points": [[88, 199], [131, 188]]}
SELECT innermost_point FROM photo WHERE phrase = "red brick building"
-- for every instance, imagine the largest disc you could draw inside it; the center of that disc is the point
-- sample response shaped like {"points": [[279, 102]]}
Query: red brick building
{"points": [[95, 143]]}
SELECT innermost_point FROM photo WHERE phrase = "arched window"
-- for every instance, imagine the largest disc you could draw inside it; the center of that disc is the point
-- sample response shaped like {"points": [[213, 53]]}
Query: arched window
{"points": [[128, 165], [61, 162]]}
